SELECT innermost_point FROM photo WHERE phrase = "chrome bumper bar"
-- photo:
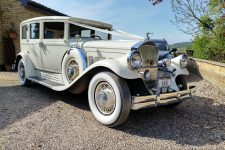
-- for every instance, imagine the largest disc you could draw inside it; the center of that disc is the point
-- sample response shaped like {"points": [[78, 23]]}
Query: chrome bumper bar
{"points": [[141, 102]]}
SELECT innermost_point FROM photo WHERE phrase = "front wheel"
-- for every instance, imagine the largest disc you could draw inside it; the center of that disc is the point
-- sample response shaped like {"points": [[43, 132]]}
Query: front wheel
{"points": [[22, 74], [109, 99]]}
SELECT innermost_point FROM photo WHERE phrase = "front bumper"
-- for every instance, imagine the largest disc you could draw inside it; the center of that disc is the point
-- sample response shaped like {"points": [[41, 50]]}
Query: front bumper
{"points": [[141, 102]]}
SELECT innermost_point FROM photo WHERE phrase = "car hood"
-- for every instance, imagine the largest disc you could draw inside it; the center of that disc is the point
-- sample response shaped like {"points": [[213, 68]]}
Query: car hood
{"points": [[114, 44], [117, 46]]}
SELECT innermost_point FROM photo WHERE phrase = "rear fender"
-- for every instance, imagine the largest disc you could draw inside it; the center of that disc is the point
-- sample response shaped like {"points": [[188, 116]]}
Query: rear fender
{"points": [[29, 67]]}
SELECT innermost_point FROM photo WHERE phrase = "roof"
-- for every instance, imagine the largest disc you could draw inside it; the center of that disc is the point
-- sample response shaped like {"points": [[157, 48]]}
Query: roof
{"points": [[89, 22], [41, 8]]}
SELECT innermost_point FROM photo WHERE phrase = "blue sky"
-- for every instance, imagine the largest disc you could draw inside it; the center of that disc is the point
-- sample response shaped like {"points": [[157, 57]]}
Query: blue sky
{"points": [[133, 16]]}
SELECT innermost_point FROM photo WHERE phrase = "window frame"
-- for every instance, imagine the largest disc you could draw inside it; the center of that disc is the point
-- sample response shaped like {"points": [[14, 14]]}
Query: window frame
{"points": [[55, 40], [29, 30]]}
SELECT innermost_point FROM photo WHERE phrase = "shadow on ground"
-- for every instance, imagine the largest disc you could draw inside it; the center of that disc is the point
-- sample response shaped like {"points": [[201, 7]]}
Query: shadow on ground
{"points": [[17, 102]]}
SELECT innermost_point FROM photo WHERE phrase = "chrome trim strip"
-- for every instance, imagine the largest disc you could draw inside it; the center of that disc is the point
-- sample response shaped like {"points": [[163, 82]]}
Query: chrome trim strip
{"points": [[46, 70], [140, 102]]}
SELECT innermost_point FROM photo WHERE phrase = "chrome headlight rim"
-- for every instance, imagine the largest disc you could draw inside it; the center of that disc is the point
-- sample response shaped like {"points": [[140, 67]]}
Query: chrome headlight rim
{"points": [[130, 59], [184, 60]]}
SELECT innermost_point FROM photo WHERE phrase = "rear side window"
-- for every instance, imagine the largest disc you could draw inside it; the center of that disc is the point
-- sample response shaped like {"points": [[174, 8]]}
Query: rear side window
{"points": [[34, 30], [24, 32], [54, 30]]}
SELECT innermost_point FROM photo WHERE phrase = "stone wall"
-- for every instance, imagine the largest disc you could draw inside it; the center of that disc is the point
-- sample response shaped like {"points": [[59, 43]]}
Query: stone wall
{"points": [[13, 12], [212, 71]]}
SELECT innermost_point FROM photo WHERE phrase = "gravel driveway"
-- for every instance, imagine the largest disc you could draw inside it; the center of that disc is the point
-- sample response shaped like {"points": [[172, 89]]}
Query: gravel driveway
{"points": [[39, 118]]}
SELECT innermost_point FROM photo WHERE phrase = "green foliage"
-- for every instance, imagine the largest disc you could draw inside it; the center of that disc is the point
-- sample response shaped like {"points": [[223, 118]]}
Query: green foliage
{"points": [[182, 46], [211, 44], [199, 47]]}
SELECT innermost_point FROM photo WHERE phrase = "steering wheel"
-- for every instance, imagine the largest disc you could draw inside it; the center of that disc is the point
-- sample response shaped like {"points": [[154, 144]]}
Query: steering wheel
{"points": [[96, 36]]}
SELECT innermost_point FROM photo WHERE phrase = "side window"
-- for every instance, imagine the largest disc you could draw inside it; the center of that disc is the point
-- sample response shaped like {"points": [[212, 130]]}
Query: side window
{"points": [[54, 30], [77, 30], [34, 30], [24, 32]]}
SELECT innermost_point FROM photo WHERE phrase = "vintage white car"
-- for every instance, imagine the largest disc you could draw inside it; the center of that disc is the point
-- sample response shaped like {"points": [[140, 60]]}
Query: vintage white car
{"points": [[65, 53]]}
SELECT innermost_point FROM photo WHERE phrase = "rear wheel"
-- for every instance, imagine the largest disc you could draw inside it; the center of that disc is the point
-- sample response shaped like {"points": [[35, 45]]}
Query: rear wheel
{"points": [[22, 74], [109, 99]]}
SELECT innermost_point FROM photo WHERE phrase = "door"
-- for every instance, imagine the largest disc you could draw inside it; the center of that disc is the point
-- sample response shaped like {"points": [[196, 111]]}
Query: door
{"points": [[34, 45], [53, 45]]}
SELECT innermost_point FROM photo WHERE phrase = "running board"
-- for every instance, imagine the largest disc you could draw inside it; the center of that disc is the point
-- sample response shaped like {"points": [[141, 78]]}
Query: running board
{"points": [[45, 82]]}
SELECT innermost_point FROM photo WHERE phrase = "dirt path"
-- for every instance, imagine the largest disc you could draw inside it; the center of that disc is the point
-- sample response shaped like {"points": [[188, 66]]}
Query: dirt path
{"points": [[39, 118]]}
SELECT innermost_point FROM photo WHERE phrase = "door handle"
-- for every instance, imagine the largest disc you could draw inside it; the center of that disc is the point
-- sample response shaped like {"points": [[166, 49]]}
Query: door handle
{"points": [[41, 44]]}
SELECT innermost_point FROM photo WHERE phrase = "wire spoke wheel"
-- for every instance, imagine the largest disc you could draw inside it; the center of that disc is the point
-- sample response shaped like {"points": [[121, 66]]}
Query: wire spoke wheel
{"points": [[22, 72], [72, 70], [105, 98]]}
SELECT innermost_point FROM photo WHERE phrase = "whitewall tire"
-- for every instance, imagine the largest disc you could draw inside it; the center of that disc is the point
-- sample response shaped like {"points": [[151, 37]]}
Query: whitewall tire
{"points": [[22, 74], [109, 98]]}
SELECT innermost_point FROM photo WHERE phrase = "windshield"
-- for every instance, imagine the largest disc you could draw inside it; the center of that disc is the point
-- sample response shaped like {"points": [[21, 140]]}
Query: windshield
{"points": [[86, 33], [161, 45]]}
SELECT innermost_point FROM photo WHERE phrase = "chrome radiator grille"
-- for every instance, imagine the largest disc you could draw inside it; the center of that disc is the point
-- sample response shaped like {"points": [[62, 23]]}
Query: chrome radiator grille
{"points": [[149, 54]]}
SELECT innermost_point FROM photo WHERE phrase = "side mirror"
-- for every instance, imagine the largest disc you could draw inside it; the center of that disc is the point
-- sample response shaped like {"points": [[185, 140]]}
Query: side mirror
{"points": [[174, 50]]}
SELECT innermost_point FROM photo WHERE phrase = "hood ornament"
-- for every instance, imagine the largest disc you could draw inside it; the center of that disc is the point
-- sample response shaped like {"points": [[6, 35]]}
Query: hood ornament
{"points": [[148, 35]]}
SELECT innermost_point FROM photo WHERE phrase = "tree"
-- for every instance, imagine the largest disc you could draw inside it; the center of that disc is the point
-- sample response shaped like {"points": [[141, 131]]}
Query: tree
{"points": [[192, 16], [205, 20], [154, 2]]}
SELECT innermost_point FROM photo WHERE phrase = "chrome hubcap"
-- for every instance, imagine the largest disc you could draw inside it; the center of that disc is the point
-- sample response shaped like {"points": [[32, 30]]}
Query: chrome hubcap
{"points": [[72, 70], [105, 98], [22, 72]]}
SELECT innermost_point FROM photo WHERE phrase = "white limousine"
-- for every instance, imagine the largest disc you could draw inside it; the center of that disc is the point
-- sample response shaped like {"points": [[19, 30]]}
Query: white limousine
{"points": [[65, 53]]}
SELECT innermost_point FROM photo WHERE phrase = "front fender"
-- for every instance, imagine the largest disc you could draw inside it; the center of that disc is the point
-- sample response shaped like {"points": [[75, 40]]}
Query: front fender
{"points": [[119, 66], [179, 71]]}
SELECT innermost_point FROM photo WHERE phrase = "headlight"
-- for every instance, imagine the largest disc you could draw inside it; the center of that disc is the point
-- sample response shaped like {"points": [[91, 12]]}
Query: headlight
{"points": [[166, 62], [134, 59], [184, 61]]}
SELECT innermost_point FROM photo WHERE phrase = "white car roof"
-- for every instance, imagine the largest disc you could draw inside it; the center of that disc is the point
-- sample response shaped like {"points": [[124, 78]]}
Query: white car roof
{"points": [[89, 22]]}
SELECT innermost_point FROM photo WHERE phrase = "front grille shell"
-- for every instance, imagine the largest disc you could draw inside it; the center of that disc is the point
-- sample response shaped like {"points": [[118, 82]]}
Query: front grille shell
{"points": [[149, 53]]}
